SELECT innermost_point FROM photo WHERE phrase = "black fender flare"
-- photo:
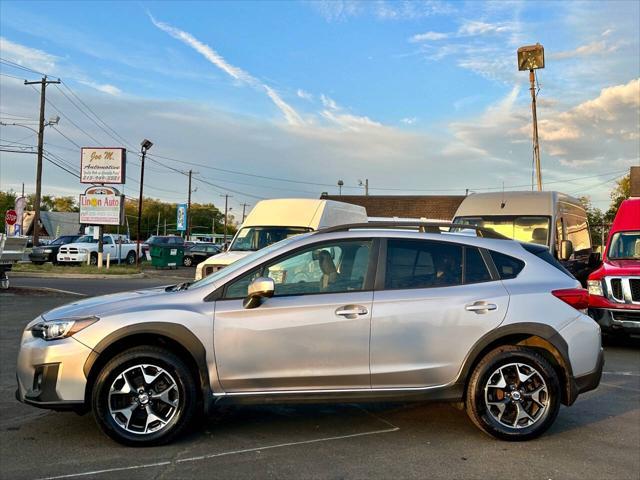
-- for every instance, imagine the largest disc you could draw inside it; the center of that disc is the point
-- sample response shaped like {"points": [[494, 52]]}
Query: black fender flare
{"points": [[175, 332]]}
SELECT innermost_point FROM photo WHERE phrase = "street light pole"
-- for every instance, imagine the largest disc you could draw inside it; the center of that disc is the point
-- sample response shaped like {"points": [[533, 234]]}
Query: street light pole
{"points": [[144, 146], [226, 211], [536, 144]]}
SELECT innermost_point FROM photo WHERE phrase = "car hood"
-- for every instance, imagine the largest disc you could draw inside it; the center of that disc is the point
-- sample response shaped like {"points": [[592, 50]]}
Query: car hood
{"points": [[617, 267], [79, 245], [227, 258], [102, 305]]}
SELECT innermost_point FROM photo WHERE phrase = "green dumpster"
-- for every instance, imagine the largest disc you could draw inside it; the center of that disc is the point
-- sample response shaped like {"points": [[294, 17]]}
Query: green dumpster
{"points": [[166, 256]]}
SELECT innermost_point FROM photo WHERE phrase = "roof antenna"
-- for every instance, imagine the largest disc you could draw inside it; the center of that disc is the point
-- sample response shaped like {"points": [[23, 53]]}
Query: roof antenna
{"points": [[503, 203]]}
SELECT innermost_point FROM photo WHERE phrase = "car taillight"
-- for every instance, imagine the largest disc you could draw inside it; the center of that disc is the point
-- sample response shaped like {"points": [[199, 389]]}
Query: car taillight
{"points": [[578, 298]]}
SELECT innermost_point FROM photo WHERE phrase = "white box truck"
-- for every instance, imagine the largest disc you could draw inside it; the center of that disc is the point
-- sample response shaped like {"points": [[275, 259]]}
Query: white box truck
{"points": [[273, 220]]}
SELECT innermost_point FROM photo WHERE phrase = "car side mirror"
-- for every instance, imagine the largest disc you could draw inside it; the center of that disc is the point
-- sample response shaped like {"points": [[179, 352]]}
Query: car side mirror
{"points": [[566, 250], [260, 288]]}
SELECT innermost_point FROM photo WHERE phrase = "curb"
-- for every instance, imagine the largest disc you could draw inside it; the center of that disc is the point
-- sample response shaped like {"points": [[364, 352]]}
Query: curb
{"points": [[53, 290], [72, 275]]}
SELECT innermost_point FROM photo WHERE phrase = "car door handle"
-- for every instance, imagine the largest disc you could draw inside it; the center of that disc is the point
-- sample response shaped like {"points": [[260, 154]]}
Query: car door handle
{"points": [[481, 307], [351, 311]]}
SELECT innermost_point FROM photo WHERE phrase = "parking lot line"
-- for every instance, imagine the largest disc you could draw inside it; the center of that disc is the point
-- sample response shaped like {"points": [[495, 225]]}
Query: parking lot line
{"points": [[223, 454]]}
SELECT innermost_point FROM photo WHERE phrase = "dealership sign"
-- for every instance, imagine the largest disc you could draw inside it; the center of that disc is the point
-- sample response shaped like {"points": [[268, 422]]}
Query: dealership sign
{"points": [[103, 165], [101, 206]]}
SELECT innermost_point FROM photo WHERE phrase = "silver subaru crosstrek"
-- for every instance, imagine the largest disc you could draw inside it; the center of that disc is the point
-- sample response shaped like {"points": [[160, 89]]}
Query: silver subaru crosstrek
{"points": [[355, 313]]}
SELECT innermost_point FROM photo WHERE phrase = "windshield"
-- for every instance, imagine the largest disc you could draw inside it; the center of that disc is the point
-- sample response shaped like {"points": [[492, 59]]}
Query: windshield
{"points": [[250, 239], [87, 239], [62, 240], [522, 228], [624, 245], [238, 264]]}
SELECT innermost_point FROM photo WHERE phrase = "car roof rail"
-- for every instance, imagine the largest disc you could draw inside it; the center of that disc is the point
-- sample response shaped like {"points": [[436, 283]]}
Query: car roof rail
{"points": [[424, 227]]}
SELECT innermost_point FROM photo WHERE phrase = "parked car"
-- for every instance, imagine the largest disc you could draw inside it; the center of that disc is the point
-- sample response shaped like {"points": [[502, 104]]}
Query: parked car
{"points": [[273, 220], [160, 240], [11, 252], [488, 321], [614, 288], [49, 252], [118, 247], [199, 252], [553, 219]]}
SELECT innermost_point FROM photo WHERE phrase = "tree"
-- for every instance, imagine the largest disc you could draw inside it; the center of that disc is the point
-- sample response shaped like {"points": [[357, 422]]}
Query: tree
{"points": [[596, 220], [621, 192], [65, 204]]}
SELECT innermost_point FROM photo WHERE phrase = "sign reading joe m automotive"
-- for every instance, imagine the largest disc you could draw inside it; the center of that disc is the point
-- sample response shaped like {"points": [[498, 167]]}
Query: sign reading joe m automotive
{"points": [[103, 165], [101, 206]]}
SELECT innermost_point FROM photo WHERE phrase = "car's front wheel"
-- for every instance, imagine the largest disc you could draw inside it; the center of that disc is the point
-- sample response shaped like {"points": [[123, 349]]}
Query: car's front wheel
{"points": [[187, 261], [513, 394], [144, 396]]}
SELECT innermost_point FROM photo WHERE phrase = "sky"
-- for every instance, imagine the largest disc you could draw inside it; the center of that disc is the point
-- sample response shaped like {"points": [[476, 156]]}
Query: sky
{"points": [[283, 99]]}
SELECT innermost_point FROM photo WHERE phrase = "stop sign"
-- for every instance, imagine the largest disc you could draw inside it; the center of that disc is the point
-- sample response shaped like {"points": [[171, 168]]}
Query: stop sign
{"points": [[11, 217]]}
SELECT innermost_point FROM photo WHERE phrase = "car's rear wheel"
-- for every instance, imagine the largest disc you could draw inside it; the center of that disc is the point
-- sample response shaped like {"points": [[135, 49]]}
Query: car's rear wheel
{"points": [[513, 394], [187, 261], [131, 258], [144, 396], [93, 259]]}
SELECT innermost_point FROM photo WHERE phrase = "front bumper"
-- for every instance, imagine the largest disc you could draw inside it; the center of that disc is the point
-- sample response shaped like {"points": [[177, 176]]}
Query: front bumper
{"points": [[72, 257], [617, 320], [50, 373], [41, 257]]}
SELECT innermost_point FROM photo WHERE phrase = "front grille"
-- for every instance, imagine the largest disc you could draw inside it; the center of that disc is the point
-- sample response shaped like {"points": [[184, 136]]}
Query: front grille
{"points": [[616, 289], [624, 316], [68, 250], [634, 283]]}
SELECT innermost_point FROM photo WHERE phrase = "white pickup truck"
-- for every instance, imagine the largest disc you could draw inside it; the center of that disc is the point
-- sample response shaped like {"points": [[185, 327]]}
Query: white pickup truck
{"points": [[117, 246]]}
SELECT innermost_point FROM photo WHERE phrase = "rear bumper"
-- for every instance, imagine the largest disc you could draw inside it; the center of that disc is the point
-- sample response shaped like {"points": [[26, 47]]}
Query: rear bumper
{"points": [[587, 382], [612, 320]]}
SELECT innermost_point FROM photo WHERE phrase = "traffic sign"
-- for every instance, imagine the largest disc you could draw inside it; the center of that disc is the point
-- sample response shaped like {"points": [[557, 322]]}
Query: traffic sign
{"points": [[11, 217]]}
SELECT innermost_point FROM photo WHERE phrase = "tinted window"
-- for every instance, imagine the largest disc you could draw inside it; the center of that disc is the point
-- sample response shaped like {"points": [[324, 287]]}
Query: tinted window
{"points": [[329, 268], [475, 269], [508, 267], [421, 264]]}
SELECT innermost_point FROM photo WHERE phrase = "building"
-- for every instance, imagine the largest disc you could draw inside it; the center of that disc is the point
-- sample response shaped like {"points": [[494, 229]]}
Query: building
{"points": [[432, 207]]}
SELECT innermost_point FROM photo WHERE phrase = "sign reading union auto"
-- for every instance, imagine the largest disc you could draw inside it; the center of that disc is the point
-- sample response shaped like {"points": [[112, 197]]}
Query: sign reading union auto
{"points": [[103, 165], [101, 206]]}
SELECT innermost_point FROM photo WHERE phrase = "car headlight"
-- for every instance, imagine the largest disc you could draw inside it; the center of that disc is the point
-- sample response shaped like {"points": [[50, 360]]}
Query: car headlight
{"points": [[47, 250], [83, 250], [595, 287], [61, 328]]}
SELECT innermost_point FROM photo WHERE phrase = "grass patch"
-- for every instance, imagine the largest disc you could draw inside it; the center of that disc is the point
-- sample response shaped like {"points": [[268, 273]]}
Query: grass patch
{"points": [[114, 269]]}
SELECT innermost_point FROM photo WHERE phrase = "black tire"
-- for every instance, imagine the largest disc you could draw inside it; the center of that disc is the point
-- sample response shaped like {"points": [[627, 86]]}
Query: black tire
{"points": [[187, 261], [183, 412], [131, 258], [93, 259], [485, 416]]}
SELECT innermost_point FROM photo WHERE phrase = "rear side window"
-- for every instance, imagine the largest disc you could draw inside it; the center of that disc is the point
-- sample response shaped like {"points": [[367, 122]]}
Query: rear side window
{"points": [[508, 267], [475, 269], [544, 254], [422, 264]]}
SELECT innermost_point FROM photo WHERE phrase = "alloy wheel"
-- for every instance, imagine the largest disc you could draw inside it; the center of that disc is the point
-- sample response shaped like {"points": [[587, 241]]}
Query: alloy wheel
{"points": [[516, 395], [143, 399]]}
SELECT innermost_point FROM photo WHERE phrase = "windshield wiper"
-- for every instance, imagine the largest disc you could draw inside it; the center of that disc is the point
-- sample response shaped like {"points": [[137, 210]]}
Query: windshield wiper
{"points": [[178, 287]]}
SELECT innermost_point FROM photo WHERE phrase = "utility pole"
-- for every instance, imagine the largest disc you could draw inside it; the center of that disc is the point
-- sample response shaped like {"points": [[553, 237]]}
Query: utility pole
{"points": [[244, 205], [36, 214], [191, 172], [226, 211], [364, 184], [144, 146]]}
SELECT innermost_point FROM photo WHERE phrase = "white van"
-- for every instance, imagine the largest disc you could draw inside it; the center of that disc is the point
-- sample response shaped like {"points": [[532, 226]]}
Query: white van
{"points": [[273, 220], [553, 219]]}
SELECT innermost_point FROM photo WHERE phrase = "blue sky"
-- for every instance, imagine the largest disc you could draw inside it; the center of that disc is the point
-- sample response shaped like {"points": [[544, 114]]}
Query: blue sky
{"points": [[416, 96]]}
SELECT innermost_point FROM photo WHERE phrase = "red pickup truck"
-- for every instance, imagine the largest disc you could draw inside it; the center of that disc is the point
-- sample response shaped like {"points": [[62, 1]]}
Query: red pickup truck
{"points": [[614, 288]]}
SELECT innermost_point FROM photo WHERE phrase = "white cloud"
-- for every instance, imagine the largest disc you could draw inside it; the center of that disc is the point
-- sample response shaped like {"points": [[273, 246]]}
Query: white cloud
{"points": [[409, 120], [428, 36], [329, 102], [290, 114], [342, 10], [28, 57], [105, 88], [590, 49], [304, 94]]}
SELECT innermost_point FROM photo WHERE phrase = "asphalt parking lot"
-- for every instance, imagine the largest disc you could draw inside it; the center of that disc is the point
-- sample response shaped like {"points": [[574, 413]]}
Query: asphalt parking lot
{"points": [[597, 438]]}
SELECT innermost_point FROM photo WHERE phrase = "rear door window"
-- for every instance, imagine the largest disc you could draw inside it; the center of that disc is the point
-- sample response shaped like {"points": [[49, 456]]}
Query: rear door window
{"points": [[508, 267], [422, 264], [475, 268]]}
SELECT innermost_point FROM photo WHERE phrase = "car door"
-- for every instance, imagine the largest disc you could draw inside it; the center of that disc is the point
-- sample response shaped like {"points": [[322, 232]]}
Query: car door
{"points": [[312, 334], [433, 300], [108, 248]]}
